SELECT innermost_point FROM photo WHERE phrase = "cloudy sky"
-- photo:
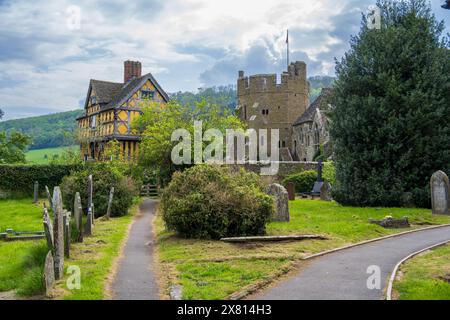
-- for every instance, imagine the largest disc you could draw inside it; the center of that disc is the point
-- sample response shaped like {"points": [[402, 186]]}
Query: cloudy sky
{"points": [[50, 49]]}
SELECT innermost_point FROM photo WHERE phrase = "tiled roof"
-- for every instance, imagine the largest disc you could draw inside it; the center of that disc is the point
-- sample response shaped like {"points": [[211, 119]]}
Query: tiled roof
{"points": [[105, 91], [308, 115]]}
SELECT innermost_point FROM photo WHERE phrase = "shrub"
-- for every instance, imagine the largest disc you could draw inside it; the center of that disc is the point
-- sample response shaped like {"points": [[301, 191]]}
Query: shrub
{"points": [[328, 173], [104, 177], [303, 181], [210, 202], [19, 179]]}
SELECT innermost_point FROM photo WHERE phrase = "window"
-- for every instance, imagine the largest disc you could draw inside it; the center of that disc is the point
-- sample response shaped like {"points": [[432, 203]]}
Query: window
{"points": [[93, 100], [93, 122], [147, 94], [265, 112]]}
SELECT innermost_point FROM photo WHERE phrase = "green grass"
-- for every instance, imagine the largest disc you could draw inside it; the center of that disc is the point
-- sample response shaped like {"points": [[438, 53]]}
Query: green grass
{"points": [[212, 269], [21, 263], [95, 258], [39, 156], [426, 277]]}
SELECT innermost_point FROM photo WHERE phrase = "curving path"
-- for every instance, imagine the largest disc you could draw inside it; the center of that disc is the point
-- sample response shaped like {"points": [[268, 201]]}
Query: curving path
{"points": [[135, 279], [343, 275]]}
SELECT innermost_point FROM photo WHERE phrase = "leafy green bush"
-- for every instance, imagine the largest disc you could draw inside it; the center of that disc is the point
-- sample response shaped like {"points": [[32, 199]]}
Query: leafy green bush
{"points": [[328, 172], [303, 181], [210, 202], [19, 179], [104, 177]]}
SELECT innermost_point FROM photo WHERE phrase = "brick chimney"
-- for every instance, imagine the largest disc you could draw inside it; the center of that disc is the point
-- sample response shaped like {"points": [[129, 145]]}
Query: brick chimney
{"points": [[132, 69]]}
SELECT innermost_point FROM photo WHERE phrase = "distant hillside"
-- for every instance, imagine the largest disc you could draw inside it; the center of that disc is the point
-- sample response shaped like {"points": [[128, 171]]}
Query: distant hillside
{"points": [[57, 130], [53, 130]]}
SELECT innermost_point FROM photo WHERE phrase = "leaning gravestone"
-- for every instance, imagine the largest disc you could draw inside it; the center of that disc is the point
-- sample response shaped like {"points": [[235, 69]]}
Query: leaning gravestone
{"points": [[325, 192], [49, 197], [49, 273], [440, 193], [58, 236], [281, 202]]}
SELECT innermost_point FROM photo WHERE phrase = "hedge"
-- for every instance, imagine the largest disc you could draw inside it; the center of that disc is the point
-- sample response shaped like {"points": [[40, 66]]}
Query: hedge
{"points": [[18, 180]]}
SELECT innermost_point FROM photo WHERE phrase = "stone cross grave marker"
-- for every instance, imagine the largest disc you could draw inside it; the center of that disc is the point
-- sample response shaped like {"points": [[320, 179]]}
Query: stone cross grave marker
{"points": [[36, 192], [281, 202], [111, 196], [49, 273], [440, 193], [318, 184], [58, 236]]}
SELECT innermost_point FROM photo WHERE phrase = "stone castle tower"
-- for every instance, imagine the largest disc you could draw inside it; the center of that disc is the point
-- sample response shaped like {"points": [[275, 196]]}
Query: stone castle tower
{"points": [[265, 104]]}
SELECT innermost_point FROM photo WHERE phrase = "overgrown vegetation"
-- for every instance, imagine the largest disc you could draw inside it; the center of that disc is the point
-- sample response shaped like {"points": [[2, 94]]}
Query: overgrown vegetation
{"points": [[105, 175], [390, 127], [209, 202], [304, 180]]}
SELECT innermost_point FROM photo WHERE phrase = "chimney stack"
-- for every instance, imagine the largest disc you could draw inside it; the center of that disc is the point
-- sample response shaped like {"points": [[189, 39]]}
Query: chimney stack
{"points": [[132, 69]]}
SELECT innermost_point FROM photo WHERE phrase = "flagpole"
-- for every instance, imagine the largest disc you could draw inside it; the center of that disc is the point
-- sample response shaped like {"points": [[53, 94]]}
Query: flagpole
{"points": [[287, 49]]}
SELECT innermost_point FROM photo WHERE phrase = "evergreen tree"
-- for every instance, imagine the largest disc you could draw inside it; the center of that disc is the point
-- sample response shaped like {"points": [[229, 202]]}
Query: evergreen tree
{"points": [[391, 108]]}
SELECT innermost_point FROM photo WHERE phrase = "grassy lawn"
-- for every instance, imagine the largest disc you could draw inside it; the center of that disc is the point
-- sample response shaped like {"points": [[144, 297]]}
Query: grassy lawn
{"points": [[214, 270], [38, 156], [426, 277], [21, 262], [95, 258]]}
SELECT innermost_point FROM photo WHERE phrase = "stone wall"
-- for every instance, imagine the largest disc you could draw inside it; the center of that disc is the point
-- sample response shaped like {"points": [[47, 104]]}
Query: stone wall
{"points": [[285, 169]]}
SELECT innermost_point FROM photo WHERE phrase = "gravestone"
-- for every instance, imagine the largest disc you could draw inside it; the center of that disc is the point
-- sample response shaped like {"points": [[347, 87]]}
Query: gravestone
{"points": [[325, 192], [110, 200], [49, 197], [49, 273], [90, 190], [67, 235], [88, 226], [48, 229], [36, 192], [58, 236], [281, 202], [391, 223], [76, 210], [440, 193], [92, 214], [291, 191]]}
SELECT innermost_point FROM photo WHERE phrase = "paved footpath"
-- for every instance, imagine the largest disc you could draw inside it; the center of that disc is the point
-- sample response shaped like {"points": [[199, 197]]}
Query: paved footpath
{"points": [[343, 275], [135, 279]]}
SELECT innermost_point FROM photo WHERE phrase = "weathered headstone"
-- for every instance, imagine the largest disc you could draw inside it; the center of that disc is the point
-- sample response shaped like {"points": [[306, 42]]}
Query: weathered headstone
{"points": [[36, 192], [48, 229], [440, 193], [291, 191], [49, 197], [88, 226], [111, 196], [325, 192], [391, 223], [281, 202], [49, 273], [67, 234], [90, 190], [58, 236]]}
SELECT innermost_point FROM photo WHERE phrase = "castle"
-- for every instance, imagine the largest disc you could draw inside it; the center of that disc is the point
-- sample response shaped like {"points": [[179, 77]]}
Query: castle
{"points": [[265, 103]]}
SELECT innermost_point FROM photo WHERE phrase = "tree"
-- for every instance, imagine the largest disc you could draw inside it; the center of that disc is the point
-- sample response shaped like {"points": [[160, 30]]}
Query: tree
{"points": [[1, 114], [391, 108], [12, 147], [158, 122]]}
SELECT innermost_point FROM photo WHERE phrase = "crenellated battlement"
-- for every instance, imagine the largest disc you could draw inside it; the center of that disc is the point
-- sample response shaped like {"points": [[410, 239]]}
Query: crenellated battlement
{"points": [[292, 80]]}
